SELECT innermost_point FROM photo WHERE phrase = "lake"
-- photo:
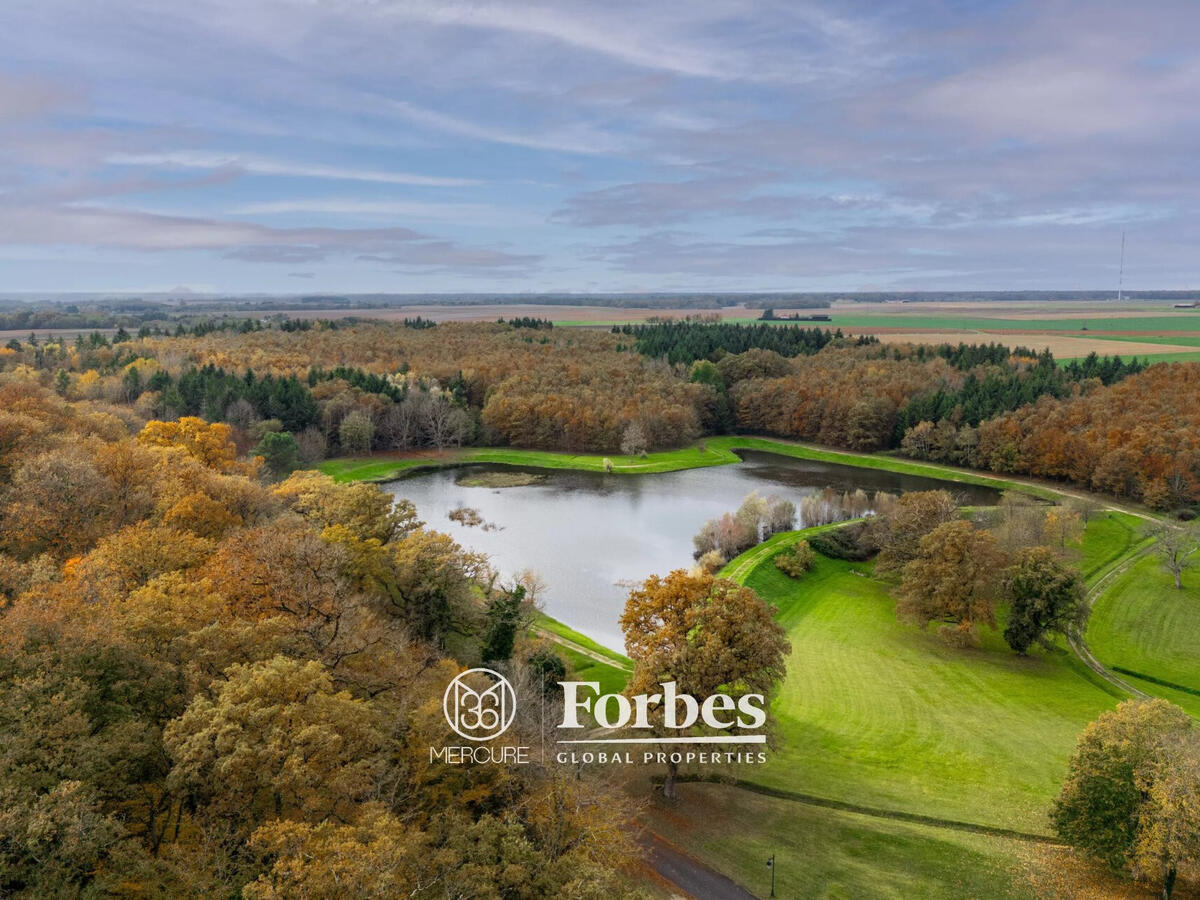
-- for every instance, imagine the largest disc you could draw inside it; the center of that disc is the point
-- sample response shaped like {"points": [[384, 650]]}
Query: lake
{"points": [[590, 536]]}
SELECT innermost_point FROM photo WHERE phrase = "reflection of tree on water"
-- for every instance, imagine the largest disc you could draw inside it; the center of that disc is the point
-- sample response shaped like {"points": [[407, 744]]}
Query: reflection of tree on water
{"points": [[802, 474], [586, 531]]}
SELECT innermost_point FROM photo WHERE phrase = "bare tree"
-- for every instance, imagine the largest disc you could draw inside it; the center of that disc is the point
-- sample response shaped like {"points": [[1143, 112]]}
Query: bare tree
{"points": [[1176, 547], [313, 444], [633, 440], [444, 423], [241, 413], [400, 427]]}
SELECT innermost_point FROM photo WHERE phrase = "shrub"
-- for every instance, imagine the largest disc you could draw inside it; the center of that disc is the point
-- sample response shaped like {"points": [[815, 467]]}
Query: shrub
{"points": [[796, 560], [711, 562], [843, 543]]}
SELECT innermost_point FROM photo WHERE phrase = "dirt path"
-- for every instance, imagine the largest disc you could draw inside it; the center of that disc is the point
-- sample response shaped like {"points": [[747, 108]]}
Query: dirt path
{"points": [[1079, 645], [579, 648], [687, 873]]}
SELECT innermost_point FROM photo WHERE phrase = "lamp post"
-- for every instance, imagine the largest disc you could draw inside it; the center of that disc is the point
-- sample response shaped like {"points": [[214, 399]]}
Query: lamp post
{"points": [[771, 866]]}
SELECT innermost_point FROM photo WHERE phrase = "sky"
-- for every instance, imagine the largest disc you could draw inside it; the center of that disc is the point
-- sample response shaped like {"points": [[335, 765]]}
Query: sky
{"points": [[344, 146]]}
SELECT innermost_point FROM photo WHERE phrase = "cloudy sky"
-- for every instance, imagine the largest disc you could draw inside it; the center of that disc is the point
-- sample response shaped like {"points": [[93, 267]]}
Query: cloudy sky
{"points": [[415, 145]]}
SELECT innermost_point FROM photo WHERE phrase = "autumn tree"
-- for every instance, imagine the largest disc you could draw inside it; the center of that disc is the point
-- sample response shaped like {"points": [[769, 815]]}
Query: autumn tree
{"points": [[952, 580], [56, 503], [1125, 782], [1176, 546], [1045, 597], [898, 534], [366, 509], [707, 635], [212, 444], [276, 739], [1168, 836]]}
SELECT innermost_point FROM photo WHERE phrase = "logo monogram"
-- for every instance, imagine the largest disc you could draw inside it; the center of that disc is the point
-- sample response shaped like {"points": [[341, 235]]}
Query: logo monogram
{"points": [[479, 715]]}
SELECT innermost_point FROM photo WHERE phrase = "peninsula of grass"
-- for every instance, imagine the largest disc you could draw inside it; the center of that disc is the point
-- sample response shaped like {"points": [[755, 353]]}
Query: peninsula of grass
{"points": [[715, 451], [877, 713]]}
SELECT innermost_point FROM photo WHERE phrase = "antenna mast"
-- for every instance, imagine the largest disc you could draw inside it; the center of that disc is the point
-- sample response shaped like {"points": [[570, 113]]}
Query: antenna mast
{"points": [[1121, 276]]}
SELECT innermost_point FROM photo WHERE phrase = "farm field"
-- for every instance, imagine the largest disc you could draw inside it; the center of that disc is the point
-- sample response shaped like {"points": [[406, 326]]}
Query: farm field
{"points": [[1062, 346]]}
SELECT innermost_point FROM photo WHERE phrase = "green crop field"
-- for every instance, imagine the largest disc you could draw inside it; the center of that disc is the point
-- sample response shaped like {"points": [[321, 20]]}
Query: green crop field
{"points": [[875, 712], [1142, 624], [1184, 322]]}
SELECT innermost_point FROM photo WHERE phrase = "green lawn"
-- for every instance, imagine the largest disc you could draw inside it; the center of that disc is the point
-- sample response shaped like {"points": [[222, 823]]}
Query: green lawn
{"points": [[825, 853], [611, 676], [1142, 624], [877, 713], [1108, 538]]}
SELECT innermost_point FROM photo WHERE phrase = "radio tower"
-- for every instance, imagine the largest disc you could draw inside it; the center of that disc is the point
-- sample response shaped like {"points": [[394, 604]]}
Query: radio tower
{"points": [[1121, 275]]}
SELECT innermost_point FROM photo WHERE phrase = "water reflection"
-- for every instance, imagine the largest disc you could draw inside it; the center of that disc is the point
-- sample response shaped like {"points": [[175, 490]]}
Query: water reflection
{"points": [[590, 535]]}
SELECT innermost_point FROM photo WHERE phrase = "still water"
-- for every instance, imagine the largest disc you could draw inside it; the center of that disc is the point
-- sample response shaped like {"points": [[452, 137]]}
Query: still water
{"points": [[589, 535]]}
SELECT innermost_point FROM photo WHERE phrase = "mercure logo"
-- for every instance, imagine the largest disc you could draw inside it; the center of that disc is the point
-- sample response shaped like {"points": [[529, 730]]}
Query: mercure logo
{"points": [[479, 715]]}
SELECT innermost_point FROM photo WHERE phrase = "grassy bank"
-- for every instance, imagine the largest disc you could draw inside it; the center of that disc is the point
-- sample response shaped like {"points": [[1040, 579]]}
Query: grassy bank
{"points": [[828, 853], [715, 451], [1143, 626], [878, 713], [589, 660]]}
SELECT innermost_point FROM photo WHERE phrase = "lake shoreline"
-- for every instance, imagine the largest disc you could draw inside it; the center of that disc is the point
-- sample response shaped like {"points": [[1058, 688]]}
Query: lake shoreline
{"points": [[718, 451]]}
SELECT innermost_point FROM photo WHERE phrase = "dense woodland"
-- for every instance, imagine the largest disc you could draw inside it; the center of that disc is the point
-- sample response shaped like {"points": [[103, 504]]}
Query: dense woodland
{"points": [[215, 683], [304, 390], [221, 676]]}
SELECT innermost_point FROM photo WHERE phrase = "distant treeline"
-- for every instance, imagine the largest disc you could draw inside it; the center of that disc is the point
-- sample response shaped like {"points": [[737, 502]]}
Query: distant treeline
{"points": [[99, 311], [1006, 389], [686, 342]]}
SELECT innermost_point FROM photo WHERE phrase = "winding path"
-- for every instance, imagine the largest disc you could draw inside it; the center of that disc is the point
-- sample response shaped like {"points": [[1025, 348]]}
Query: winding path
{"points": [[687, 873], [579, 648], [1076, 639]]}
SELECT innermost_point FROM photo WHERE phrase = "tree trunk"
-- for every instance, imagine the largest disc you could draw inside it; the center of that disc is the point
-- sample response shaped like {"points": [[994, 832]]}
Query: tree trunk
{"points": [[1178, 581], [1168, 882], [669, 781]]}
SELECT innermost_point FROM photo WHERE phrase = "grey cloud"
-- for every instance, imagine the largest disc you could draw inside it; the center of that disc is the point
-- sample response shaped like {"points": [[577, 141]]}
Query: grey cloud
{"points": [[133, 229], [26, 98]]}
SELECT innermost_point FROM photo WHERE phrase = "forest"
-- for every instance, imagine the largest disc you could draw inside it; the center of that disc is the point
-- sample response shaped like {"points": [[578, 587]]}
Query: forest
{"points": [[222, 670], [302, 390], [220, 683]]}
